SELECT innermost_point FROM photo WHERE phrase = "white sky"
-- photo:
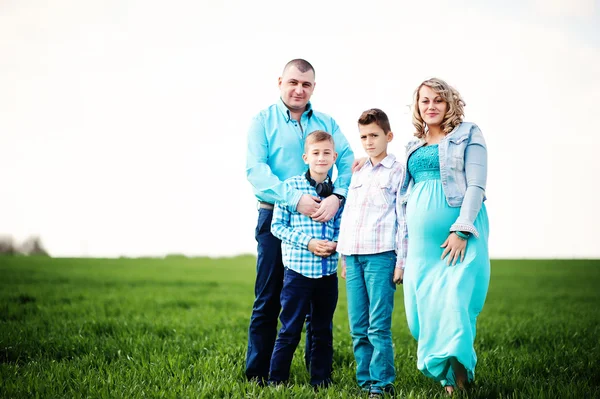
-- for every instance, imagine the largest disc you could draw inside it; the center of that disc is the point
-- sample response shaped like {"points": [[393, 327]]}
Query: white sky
{"points": [[123, 123]]}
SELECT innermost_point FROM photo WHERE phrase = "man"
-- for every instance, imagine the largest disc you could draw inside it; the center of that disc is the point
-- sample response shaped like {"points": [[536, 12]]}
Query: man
{"points": [[275, 147]]}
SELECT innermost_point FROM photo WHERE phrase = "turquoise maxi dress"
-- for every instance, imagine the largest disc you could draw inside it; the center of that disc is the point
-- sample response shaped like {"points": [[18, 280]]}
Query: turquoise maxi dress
{"points": [[442, 302]]}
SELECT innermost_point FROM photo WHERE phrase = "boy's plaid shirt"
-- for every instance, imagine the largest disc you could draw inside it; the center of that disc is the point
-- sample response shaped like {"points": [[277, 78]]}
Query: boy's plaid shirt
{"points": [[295, 230], [374, 218]]}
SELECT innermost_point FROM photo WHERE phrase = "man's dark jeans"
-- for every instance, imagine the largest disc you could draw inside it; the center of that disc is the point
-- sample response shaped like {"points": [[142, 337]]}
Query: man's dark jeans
{"points": [[267, 290], [301, 295]]}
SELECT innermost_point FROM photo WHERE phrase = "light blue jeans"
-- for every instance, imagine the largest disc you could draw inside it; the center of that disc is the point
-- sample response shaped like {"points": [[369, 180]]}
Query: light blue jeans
{"points": [[370, 292]]}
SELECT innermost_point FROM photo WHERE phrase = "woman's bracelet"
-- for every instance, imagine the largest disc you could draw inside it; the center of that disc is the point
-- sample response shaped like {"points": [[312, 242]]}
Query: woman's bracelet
{"points": [[461, 235]]}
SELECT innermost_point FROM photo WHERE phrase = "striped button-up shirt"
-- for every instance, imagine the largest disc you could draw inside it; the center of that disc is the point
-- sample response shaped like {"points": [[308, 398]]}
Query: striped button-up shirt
{"points": [[373, 220], [296, 230]]}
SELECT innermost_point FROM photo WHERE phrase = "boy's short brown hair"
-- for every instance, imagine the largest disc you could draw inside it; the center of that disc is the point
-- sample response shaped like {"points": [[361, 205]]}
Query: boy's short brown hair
{"points": [[316, 137], [377, 116]]}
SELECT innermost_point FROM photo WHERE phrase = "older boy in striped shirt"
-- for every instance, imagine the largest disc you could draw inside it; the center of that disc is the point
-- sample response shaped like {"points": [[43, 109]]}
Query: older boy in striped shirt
{"points": [[368, 243], [310, 278]]}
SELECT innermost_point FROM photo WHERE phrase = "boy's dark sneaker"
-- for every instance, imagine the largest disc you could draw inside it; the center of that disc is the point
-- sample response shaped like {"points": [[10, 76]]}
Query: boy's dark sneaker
{"points": [[377, 392]]}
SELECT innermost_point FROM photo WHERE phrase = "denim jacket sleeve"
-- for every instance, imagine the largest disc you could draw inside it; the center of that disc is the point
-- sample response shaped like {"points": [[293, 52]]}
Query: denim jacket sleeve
{"points": [[402, 237], [476, 177]]}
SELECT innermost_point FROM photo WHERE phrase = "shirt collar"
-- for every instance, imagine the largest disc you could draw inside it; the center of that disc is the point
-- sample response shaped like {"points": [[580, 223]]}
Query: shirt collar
{"points": [[386, 162], [286, 112]]}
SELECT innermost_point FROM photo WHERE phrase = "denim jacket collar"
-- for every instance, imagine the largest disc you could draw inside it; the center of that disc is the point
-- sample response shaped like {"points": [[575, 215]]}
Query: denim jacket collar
{"points": [[414, 145], [457, 134]]}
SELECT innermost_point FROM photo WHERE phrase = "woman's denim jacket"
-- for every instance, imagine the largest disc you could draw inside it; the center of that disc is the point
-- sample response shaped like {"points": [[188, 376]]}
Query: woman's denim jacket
{"points": [[463, 170]]}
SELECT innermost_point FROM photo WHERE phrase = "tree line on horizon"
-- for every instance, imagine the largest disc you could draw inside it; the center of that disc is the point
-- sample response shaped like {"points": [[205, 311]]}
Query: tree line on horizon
{"points": [[31, 246]]}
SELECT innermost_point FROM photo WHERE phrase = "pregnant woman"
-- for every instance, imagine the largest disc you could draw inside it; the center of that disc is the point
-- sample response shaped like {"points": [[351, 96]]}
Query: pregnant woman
{"points": [[447, 269]]}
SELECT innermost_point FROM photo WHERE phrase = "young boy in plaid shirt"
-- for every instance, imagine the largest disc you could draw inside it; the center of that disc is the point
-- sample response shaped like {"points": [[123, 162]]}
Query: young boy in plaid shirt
{"points": [[372, 257], [310, 283]]}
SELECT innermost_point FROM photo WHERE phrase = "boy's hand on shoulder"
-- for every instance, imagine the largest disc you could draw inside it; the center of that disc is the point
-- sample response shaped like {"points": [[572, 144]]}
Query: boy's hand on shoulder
{"points": [[327, 210], [308, 205], [320, 248]]}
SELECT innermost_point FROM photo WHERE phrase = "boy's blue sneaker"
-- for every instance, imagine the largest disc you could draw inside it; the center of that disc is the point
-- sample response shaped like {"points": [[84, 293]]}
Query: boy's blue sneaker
{"points": [[377, 392]]}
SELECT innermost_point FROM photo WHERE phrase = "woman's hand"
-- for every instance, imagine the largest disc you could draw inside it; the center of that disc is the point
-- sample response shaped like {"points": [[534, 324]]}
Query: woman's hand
{"points": [[455, 246], [358, 163]]}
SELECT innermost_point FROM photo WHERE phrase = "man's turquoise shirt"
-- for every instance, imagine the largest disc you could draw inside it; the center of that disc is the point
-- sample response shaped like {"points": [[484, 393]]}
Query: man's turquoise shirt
{"points": [[275, 148]]}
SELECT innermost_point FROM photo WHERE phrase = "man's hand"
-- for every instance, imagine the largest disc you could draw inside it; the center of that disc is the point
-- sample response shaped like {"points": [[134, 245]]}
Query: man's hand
{"points": [[328, 208], [308, 205], [398, 275], [322, 248]]}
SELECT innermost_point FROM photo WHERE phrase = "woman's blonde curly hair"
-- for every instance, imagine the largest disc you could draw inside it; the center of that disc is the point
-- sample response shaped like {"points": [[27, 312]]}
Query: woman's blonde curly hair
{"points": [[454, 113]]}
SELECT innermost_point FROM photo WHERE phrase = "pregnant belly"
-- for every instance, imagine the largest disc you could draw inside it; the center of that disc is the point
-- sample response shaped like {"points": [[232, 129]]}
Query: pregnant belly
{"points": [[428, 215]]}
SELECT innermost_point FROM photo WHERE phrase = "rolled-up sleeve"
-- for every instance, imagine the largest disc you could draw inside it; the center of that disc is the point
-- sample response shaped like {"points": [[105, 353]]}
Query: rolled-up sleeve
{"points": [[344, 161]]}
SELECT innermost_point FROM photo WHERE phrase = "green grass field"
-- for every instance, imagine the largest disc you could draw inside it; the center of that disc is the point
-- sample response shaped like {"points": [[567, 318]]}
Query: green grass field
{"points": [[177, 328]]}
